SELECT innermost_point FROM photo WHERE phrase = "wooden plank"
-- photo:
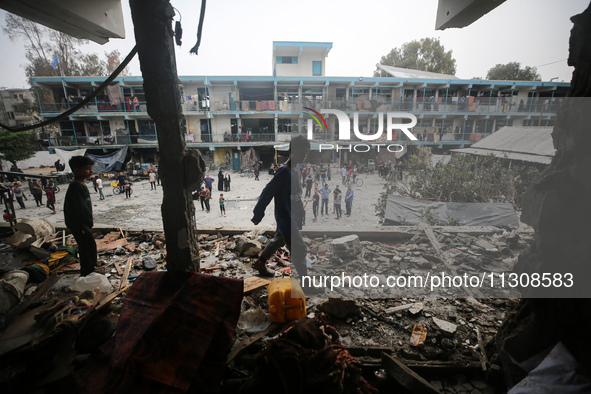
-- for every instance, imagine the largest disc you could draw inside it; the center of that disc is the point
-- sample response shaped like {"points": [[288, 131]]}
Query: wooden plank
{"points": [[246, 342], [407, 378], [482, 353], [254, 282], [448, 264], [118, 268], [102, 246], [109, 298], [126, 273]]}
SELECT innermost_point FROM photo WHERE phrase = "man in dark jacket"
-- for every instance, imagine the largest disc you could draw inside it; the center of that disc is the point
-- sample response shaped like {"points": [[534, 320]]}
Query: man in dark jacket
{"points": [[286, 191]]}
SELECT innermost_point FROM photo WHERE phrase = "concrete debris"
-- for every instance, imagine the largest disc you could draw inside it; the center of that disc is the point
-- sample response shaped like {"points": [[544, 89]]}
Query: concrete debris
{"points": [[416, 308], [447, 329], [148, 263], [363, 318], [346, 247], [248, 247], [339, 307]]}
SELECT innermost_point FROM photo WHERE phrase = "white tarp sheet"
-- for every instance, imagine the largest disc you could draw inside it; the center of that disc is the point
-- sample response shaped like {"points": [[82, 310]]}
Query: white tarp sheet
{"points": [[401, 209], [66, 155]]}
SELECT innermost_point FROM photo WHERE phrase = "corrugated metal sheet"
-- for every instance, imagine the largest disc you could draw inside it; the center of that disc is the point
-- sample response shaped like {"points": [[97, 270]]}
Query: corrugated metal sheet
{"points": [[507, 155], [399, 72], [532, 144]]}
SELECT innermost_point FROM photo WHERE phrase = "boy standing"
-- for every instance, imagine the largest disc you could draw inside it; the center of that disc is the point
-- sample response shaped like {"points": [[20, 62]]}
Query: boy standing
{"points": [[99, 185], [222, 205], [315, 203], [51, 200], [78, 213], [207, 198], [338, 198], [152, 180]]}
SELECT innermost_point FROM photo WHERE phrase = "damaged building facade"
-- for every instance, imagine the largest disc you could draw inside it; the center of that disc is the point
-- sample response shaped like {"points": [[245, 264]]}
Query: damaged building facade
{"points": [[224, 115]]}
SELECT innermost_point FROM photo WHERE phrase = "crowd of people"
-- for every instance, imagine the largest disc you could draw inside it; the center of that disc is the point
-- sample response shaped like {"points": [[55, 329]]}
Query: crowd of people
{"points": [[12, 190]]}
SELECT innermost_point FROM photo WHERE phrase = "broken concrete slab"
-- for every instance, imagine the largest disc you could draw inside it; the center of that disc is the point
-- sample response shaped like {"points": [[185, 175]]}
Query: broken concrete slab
{"points": [[247, 247], [447, 329], [346, 247]]}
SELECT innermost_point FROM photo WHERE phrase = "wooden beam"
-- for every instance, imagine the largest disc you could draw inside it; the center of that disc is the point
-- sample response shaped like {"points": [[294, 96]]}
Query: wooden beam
{"points": [[406, 377]]}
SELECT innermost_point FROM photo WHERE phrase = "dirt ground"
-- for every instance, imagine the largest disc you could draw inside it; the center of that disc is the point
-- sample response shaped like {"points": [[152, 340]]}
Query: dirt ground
{"points": [[142, 211]]}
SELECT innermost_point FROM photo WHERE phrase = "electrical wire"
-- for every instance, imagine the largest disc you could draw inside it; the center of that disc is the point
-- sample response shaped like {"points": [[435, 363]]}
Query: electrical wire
{"points": [[82, 103], [201, 17], [547, 64]]}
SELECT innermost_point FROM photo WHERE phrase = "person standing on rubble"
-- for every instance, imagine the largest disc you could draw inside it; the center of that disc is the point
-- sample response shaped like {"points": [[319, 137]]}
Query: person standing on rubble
{"points": [[285, 190], [78, 213]]}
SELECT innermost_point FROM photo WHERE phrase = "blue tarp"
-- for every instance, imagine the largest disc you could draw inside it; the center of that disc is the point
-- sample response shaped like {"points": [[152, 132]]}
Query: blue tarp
{"points": [[110, 162]]}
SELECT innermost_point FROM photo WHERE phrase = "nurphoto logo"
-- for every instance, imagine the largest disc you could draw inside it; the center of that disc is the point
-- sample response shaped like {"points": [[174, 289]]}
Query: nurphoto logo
{"points": [[345, 124]]}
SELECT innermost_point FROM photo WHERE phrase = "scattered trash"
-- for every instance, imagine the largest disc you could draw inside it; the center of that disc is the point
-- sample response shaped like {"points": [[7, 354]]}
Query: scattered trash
{"points": [[91, 282], [418, 336], [286, 300]]}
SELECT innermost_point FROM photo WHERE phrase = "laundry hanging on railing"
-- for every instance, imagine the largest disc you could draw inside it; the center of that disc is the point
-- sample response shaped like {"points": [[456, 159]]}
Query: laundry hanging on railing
{"points": [[111, 162], [115, 94]]}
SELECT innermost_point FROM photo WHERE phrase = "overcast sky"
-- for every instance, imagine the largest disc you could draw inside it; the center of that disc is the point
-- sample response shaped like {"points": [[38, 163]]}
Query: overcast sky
{"points": [[238, 35]]}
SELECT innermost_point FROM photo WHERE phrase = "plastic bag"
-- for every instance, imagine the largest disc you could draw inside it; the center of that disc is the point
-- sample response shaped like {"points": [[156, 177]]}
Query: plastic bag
{"points": [[91, 282]]}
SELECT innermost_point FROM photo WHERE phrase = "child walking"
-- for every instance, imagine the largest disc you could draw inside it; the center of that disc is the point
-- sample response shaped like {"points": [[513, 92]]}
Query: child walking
{"points": [[127, 189], [50, 200], [222, 205]]}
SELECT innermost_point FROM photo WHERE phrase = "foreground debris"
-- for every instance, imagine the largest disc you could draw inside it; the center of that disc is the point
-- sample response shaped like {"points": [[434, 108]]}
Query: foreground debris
{"points": [[450, 355]]}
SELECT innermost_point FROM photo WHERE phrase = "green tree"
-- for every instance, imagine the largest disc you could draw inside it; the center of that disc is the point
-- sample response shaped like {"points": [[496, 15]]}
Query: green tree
{"points": [[427, 54], [16, 146], [513, 72], [464, 179]]}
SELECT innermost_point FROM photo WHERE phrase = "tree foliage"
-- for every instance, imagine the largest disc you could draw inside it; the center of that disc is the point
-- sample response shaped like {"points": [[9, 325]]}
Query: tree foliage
{"points": [[42, 44], [464, 179], [113, 61], [513, 72], [16, 146], [427, 54]]}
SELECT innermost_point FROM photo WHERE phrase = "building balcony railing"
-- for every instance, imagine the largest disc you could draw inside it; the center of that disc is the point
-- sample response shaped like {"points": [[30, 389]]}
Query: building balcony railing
{"points": [[94, 107], [488, 105], [423, 138]]}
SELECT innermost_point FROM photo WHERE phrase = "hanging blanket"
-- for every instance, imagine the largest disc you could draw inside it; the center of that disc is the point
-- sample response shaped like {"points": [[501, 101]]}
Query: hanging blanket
{"points": [[169, 340]]}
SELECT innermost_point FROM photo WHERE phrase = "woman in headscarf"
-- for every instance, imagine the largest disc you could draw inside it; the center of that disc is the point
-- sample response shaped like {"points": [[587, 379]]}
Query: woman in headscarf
{"points": [[220, 181], [227, 182]]}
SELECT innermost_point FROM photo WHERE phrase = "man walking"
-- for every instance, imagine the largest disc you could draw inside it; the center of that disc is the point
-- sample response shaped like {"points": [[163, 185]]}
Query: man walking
{"points": [[285, 189]]}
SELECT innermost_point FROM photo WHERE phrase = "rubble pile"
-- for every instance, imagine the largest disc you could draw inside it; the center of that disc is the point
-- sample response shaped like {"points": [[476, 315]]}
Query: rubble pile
{"points": [[441, 338]]}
